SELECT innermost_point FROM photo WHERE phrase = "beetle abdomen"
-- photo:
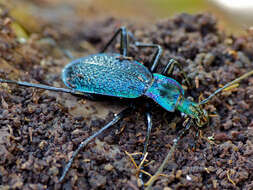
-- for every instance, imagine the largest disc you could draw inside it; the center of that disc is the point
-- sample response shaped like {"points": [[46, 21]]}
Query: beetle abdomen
{"points": [[107, 74]]}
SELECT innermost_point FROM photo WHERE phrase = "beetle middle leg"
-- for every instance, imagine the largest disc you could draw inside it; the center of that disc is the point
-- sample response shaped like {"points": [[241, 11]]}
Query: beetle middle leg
{"points": [[156, 57], [169, 155], [123, 41], [149, 124]]}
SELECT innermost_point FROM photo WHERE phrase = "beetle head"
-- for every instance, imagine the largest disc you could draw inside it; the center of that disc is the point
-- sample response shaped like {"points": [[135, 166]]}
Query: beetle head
{"points": [[200, 115], [193, 110]]}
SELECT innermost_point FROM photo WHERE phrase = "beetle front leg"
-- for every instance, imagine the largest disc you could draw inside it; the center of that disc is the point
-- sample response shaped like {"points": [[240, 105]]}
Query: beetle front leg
{"points": [[168, 70]]}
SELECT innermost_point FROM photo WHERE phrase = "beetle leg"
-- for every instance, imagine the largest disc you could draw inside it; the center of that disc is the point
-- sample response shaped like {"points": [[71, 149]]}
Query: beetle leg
{"points": [[46, 87], [169, 155], [156, 57], [168, 70], [118, 117], [149, 123], [196, 137], [123, 41]]}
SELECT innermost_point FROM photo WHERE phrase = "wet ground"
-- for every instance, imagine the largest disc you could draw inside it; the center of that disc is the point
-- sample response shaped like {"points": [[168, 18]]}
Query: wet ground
{"points": [[41, 129]]}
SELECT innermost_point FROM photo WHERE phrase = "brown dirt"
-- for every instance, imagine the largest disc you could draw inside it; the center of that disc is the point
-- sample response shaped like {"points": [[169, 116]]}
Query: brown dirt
{"points": [[39, 130]]}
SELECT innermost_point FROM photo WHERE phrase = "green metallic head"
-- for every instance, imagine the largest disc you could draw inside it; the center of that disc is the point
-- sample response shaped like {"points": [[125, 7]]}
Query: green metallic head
{"points": [[200, 115], [193, 110]]}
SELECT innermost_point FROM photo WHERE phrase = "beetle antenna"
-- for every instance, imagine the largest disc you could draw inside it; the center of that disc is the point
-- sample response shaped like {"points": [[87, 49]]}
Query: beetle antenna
{"points": [[234, 82]]}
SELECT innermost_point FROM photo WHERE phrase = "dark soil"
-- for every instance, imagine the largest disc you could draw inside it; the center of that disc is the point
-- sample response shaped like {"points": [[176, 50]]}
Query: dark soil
{"points": [[39, 130]]}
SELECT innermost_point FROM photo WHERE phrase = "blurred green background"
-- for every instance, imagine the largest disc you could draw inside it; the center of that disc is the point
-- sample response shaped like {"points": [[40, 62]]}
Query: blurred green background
{"points": [[138, 11]]}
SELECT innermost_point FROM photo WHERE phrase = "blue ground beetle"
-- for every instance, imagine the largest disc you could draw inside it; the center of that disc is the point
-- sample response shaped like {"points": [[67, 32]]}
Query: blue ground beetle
{"points": [[117, 75]]}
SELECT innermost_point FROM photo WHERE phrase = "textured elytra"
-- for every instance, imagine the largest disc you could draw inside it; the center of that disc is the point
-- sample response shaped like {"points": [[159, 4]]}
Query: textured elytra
{"points": [[107, 74]]}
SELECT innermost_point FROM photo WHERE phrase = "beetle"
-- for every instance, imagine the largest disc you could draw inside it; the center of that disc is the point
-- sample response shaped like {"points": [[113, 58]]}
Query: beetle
{"points": [[117, 75]]}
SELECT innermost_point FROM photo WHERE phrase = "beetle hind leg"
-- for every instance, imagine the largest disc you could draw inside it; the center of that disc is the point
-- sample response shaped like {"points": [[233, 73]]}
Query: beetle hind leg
{"points": [[83, 144], [47, 87]]}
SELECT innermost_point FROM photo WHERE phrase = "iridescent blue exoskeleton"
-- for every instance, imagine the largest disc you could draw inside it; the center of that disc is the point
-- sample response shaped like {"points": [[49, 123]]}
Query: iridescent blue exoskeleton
{"points": [[117, 75]]}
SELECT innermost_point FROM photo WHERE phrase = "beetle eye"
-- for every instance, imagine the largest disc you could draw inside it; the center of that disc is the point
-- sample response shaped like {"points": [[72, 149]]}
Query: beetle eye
{"points": [[183, 114]]}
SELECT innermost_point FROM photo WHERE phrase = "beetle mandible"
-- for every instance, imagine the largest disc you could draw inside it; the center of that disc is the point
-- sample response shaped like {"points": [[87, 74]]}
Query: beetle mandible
{"points": [[113, 74]]}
